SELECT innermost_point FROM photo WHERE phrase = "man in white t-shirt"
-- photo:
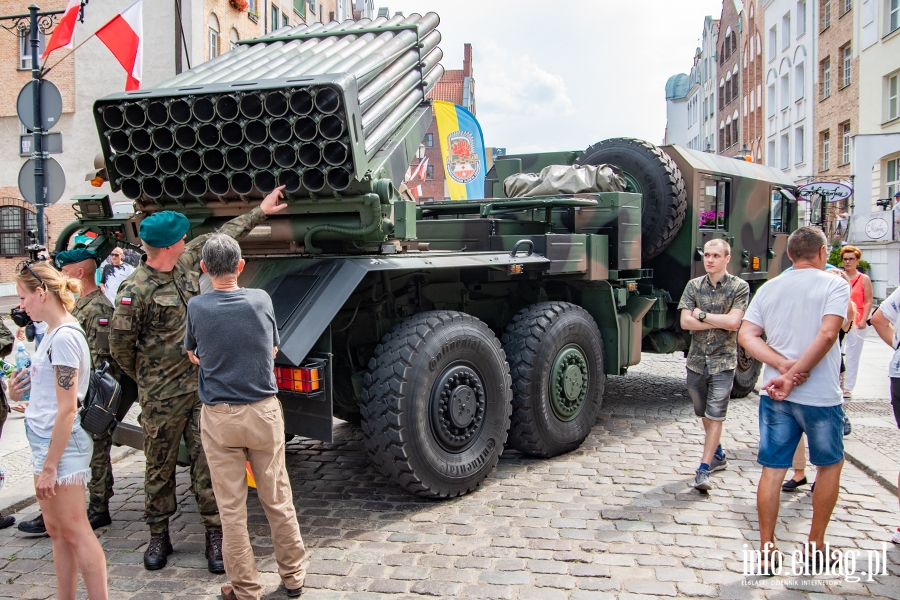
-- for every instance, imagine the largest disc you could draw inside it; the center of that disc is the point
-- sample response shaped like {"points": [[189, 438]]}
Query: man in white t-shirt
{"points": [[114, 273], [800, 313]]}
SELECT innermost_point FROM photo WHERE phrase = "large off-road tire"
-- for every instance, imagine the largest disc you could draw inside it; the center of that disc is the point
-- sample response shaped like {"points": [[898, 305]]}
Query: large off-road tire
{"points": [[746, 374], [651, 173], [437, 403], [555, 356]]}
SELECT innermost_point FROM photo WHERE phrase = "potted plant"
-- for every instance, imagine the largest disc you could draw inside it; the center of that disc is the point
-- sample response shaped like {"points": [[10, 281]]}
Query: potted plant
{"points": [[239, 5]]}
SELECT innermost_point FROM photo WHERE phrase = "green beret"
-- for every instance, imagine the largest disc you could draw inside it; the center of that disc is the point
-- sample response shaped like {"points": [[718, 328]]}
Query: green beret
{"points": [[75, 255], [164, 229]]}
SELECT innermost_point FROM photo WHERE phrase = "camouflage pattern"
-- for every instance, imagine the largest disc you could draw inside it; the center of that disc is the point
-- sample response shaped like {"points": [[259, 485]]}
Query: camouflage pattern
{"points": [[7, 341], [147, 340], [715, 349], [94, 313]]}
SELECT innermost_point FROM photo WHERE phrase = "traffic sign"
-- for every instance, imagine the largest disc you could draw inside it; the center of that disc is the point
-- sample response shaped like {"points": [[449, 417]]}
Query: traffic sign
{"points": [[52, 143], [54, 181], [51, 104]]}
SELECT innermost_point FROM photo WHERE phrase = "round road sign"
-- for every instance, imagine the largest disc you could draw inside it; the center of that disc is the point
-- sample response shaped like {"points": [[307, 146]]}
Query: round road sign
{"points": [[54, 181], [51, 104]]}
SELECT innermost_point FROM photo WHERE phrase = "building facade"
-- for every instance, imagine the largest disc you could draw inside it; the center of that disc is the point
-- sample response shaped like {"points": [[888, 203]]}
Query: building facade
{"points": [[752, 69], [790, 97], [728, 54], [708, 85], [691, 98]]}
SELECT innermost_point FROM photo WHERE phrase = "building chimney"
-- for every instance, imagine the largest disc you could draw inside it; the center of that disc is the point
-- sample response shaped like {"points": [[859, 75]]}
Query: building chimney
{"points": [[467, 60]]}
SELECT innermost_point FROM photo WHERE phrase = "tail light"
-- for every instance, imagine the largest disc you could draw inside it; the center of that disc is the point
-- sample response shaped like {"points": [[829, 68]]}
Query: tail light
{"points": [[306, 379]]}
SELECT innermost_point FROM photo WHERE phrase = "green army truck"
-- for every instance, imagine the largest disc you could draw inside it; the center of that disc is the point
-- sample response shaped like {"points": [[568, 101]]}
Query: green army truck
{"points": [[449, 330]]}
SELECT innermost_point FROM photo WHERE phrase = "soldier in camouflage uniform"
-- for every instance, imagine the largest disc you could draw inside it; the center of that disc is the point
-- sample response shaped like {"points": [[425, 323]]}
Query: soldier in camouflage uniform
{"points": [[712, 307], [94, 313], [147, 340], [6, 345]]}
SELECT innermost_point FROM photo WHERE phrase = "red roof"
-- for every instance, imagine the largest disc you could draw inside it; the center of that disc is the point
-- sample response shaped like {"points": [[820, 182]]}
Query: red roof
{"points": [[449, 88]]}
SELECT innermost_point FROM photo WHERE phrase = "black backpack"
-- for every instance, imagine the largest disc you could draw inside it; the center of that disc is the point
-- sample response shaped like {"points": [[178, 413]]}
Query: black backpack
{"points": [[101, 402]]}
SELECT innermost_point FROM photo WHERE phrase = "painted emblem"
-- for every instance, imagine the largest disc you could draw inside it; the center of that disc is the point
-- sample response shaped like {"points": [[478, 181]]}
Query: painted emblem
{"points": [[463, 163], [876, 228]]}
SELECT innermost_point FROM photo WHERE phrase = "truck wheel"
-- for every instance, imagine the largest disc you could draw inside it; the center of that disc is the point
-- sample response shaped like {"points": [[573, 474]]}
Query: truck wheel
{"points": [[437, 404], [746, 373], [650, 172], [555, 355]]}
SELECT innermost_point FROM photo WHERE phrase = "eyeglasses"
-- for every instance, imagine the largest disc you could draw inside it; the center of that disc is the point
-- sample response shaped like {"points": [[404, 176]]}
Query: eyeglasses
{"points": [[25, 265], [849, 258]]}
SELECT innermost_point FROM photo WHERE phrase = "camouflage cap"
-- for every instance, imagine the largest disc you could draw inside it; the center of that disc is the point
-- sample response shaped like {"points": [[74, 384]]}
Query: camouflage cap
{"points": [[164, 229], [75, 255]]}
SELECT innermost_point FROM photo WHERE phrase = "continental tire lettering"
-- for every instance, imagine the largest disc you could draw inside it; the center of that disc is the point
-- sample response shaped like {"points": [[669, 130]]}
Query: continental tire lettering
{"points": [[475, 464], [472, 343]]}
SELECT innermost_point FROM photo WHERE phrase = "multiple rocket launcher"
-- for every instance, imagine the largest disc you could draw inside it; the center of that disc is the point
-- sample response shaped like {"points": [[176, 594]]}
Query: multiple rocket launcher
{"points": [[305, 107]]}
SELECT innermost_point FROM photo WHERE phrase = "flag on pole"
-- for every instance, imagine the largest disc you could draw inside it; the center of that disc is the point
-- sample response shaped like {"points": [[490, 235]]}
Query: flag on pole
{"points": [[420, 170], [64, 32], [462, 149], [123, 35]]}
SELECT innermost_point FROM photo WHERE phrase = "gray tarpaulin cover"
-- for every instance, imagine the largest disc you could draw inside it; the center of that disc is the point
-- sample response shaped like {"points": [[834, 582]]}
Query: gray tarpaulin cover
{"points": [[563, 179]]}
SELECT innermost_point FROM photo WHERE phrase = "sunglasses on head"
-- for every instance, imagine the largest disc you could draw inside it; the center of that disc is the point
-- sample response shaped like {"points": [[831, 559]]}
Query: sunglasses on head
{"points": [[25, 265]]}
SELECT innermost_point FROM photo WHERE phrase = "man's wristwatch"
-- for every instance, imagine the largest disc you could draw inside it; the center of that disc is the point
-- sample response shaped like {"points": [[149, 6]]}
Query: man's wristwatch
{"points": [[701, 316]]}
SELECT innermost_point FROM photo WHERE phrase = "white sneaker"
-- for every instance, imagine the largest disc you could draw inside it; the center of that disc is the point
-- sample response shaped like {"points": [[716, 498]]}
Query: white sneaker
{"points": [[896, 538]]}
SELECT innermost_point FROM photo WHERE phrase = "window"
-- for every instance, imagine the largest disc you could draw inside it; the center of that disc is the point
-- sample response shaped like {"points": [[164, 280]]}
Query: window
{"points": [[300, 8], [845, 143], [733, 43], [826, 14], [251, 7], [785, 151], [893, 16], [213, 28], [848, 4], [752, 40], [233, 39], [826, 150], [785, 90], [721, 137], [801, 18], [770, 100], [745, 105], [429, 140], [284, 20], [826, 78], [721, 95], [845, 65], [781, 215], [273, 22], [752, 104], [735, 135], [893, 177], [799, 81], [799, 143], [758, 95], [893, 96], [429, 172], [428, 199], [728, 88], [713, 210], [25, 48], [773, 42], [14, 222], [770, 153], [786, 31]]}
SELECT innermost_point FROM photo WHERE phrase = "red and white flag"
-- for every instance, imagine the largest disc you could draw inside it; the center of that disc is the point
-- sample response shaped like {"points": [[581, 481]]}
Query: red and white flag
{"points": [[123, 35], [64, 32], [420, 170]]}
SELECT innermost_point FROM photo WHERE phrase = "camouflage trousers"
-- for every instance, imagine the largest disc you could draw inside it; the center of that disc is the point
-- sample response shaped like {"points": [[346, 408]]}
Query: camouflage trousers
{"points": [[100, 488], [164, 423]]}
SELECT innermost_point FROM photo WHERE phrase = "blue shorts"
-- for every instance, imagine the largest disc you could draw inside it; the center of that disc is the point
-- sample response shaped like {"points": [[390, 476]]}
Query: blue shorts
{"points": [[74, 466], [780, 426]]}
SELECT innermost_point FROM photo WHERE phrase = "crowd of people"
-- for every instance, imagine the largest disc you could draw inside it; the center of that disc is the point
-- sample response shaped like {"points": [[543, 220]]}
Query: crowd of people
{"points": [[158, 336]]}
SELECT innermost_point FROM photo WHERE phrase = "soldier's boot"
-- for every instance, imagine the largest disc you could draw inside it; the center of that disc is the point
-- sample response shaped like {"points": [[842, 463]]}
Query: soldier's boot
{"points": [[157, 550], [34, 526], [214, 561], [98, 518]]}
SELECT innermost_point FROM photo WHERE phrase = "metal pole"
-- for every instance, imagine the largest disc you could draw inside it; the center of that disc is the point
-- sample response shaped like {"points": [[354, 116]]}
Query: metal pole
{"points": [[40, 194]]}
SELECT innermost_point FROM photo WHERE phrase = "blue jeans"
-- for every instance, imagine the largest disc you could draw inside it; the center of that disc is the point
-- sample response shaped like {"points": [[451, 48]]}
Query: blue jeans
{"points": [[782, 423]]}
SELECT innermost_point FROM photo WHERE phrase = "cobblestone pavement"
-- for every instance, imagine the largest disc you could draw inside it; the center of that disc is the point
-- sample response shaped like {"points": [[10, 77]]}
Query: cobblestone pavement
{"points": [[614, 519]]}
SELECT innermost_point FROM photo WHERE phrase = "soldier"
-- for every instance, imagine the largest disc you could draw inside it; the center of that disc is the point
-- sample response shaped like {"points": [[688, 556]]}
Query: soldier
{"points": [[147, 340], [94, 313], [6, 345]]}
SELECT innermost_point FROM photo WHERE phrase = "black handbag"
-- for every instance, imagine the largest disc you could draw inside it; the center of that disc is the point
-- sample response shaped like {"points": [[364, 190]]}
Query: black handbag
{"points": [[101, 402]]}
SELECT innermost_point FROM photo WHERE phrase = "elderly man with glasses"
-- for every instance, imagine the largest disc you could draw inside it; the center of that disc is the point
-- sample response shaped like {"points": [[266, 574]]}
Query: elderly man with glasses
{"points": [[114, 273]]}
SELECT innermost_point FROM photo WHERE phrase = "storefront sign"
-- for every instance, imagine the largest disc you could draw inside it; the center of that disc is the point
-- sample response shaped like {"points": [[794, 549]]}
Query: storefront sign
{"points": [[831, 191], [877, 228]]}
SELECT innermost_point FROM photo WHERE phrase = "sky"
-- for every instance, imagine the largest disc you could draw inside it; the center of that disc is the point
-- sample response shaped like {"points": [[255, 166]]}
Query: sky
{"points": [[564, 74]]}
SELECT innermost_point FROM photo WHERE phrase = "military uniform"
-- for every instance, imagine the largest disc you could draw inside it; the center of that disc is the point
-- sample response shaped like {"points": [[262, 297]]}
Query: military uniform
{"points": [[147, 340], [7, 341], [94, 313]]}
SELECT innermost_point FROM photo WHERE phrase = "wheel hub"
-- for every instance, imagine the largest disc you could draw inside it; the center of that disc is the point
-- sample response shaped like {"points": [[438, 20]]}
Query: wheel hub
{"points": [[569, 380], [457, 408], [744, 360]]}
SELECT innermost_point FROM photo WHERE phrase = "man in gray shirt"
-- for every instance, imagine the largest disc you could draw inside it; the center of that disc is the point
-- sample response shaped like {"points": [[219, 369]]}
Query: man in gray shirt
{"points": [[231, 334]]}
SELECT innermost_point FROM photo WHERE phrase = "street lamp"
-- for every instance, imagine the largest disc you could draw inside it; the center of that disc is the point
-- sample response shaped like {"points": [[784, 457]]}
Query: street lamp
{"points": [[744, 154]]}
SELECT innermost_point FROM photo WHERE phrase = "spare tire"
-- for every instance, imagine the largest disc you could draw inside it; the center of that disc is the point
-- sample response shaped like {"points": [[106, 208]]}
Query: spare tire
{"points": [[651, 173]]}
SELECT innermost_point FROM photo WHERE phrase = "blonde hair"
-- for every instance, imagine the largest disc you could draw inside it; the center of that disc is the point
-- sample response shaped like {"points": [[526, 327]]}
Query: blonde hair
{"points": [[58, 284]]}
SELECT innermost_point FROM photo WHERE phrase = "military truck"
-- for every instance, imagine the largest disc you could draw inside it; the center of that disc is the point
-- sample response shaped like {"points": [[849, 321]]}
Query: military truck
{"points": [[449, 330]]}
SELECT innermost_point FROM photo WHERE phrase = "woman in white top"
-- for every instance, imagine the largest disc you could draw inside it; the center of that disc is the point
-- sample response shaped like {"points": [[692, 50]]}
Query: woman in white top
{"points": [[60, 449]]}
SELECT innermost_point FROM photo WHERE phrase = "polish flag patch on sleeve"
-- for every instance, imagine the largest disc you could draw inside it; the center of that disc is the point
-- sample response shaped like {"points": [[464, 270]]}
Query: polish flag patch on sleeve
{"points": [[126, 302], [103, 322]]}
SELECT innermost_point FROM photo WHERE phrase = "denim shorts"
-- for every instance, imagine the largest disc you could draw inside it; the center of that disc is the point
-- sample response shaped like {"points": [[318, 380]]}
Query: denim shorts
{"points": [[710, 393], [74, 466], [780, 426]]}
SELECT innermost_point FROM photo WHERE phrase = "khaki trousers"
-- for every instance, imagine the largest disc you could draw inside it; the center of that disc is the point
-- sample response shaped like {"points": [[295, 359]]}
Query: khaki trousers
{"points": [[232, 434]]}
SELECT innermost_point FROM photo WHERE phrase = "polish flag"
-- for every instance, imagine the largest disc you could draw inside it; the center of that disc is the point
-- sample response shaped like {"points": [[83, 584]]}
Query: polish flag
{"points": [[123, 35], [64, 32], [420, 169]]}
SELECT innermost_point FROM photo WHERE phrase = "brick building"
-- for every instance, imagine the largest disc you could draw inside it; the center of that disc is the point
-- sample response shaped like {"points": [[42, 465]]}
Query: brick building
{"points": [[729, 74], [752, 121], [456, 86]]}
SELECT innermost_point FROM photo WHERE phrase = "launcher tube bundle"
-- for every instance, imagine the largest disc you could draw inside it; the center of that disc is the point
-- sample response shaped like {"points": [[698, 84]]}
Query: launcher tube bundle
{"points": [[311, 108]]}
